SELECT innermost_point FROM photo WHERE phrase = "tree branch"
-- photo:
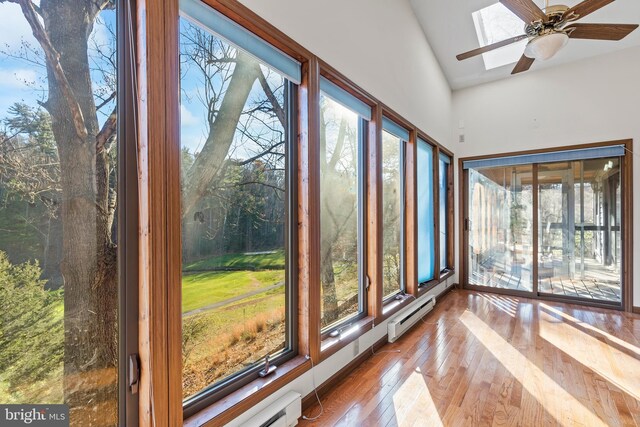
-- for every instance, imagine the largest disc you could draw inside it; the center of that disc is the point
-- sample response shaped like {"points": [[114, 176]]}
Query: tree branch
{"points": [[272, 98], [53, 58], [107, 131], [106, 101], [257, 156]]}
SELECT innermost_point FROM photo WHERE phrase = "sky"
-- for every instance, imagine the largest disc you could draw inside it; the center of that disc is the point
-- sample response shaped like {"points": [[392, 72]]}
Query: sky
{"points": [[20, 80], [24, 81]]}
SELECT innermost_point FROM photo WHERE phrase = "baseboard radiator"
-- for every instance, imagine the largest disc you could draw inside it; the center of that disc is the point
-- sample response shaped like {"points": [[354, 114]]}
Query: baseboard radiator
{"points": [[284, 412], [408, 317]]}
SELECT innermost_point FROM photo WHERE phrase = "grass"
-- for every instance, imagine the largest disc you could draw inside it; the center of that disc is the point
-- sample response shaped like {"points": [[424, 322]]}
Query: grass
{"points": [[203, 289], [246, 261]]}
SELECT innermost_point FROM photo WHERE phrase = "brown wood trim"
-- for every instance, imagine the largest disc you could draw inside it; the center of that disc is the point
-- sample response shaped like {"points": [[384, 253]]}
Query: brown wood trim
{"points": [[309, 211], [173, 208], [436, 213], [428, 286], [310, 399], [462, 214], [636, 310], [246, 18], [411, 215], [426, 138], [158, 106], [447, 152], [433, 283], [549, 150], [397, 118], [225, 410], [451, 232], [335, 77], [331, 345], [374, 214], [627, 226]]}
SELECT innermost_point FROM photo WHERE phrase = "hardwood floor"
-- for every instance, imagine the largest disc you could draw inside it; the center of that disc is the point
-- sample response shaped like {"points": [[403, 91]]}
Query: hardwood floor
{"points": [[487, 359]]}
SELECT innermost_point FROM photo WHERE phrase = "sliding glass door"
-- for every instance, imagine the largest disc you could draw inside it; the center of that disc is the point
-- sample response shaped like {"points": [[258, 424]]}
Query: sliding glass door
{"points": [[548, 224], [500, 227], [579, 229]]}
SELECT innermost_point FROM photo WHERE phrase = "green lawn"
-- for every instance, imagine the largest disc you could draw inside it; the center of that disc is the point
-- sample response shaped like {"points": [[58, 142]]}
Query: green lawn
{"points": [[203, 289], [265, 261]]}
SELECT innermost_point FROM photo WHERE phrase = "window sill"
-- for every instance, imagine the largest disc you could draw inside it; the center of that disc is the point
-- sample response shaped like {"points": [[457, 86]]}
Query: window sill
{"points": [[392, 306], [445, 275], [435, 282], [331, 345], [231, 406]]}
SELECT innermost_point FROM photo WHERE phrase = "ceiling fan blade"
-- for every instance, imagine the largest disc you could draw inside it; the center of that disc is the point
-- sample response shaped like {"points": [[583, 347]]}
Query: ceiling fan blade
{"points": [[523, 64], [490, 47], [600, 31], [586, 7], [526, 10]]}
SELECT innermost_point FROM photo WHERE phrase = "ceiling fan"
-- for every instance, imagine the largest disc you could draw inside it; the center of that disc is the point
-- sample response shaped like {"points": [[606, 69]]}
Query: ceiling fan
{"points": [[549, 30]]}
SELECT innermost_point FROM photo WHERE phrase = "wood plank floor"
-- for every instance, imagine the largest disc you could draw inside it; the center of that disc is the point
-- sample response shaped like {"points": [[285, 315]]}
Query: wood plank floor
{"points": [[484, 359]]}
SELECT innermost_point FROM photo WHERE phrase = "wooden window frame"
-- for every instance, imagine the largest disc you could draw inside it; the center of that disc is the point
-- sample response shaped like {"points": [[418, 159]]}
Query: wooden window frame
{"points": [[159, 342], [438, 277], [626, 172], [363, 321], [397, 300]]}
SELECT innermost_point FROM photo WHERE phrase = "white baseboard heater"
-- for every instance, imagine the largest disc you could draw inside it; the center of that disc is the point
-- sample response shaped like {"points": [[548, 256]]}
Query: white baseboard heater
{"points": [[284, 412], [408, 317]]}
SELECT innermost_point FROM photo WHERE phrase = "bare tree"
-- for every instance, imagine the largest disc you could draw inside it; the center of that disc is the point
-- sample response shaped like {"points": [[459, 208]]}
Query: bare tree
{"points": [[62, 29]]}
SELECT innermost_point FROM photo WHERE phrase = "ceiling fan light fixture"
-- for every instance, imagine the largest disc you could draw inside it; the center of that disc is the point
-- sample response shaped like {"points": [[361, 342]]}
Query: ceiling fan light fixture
{"points": [[545, 46]]}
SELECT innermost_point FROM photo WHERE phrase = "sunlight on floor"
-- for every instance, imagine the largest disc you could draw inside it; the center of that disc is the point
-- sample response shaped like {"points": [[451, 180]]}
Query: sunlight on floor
{"points": [[503, 304], [614, 365], [414, 389], [618, 341], [560, 404]]}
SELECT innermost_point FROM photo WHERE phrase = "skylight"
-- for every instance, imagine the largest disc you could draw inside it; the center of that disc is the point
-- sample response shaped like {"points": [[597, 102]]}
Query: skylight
{"points": [[496, 23]]}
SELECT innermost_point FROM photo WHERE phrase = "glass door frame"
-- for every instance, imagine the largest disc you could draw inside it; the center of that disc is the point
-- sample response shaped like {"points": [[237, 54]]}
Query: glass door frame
{"points": [[626, 231]]}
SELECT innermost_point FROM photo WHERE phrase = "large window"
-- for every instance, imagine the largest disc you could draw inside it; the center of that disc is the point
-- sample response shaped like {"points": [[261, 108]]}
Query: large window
{"points": [[341, 183], [393, 142], [236, 154], [426, 205], [444, 214], [59, 208]]}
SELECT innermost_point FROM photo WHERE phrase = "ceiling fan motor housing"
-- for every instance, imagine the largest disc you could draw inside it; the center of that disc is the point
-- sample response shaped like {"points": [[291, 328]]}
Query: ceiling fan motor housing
{"points": [[554, 22]]}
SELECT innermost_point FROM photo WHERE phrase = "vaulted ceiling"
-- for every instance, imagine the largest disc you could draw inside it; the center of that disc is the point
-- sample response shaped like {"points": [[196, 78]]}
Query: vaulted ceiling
{"points": [[449, 27]]}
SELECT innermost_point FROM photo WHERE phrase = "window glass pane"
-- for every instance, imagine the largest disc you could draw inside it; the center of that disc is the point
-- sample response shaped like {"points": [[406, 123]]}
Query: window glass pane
{"points": [[339, 215], [391, 214], [579, 229], [444, 212], [58, 201], [426, 225], [234, 141], [500, 232]]}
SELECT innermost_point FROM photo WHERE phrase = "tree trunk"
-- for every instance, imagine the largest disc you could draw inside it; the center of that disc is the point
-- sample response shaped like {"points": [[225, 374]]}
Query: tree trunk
{"points": [[89, 266], [208, 162], [328, 282]]}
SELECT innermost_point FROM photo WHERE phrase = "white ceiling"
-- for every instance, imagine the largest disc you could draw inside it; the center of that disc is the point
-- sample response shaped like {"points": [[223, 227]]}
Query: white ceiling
{"points": [[449, 28]]}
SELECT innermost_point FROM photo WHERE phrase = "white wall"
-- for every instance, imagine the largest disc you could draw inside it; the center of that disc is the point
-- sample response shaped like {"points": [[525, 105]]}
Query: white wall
{"points": [[380, 46], [594, 100]]}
